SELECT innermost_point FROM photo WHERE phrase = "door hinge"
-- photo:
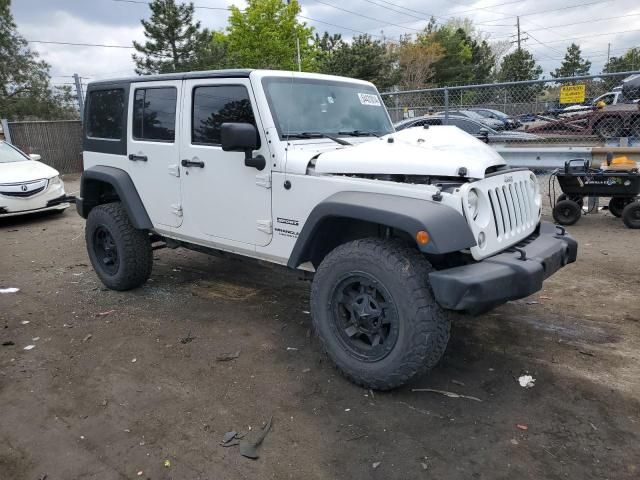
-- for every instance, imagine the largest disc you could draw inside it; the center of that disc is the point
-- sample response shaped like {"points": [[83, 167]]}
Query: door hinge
{"points": [[264, 180], [174, 170], [265, 226], [176, 209]]}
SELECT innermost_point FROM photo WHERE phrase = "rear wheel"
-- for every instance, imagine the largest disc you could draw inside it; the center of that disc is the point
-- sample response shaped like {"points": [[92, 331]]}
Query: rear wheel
{"points": [[631, 215], [120, 254], [375, 314], [608, 128], [617, 204], [567, 212], [635, 128]]}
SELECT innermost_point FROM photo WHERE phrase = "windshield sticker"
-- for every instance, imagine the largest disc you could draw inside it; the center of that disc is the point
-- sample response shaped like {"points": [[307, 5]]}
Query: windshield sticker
{"points": [[369, 99]]}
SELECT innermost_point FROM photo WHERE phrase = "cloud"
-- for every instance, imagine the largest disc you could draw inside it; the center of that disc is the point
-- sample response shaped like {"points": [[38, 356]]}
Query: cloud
{"points": [[109, 22]]}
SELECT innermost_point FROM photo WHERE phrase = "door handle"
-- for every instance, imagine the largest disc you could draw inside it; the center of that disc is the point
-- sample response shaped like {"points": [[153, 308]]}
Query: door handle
{"points": [[192, 163], [137, 158]]}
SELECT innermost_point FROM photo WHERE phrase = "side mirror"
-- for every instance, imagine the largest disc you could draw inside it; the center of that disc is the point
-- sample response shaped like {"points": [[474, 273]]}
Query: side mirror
{"points": [[239, 137], [34, 156], [242, 137], [484, 135]]}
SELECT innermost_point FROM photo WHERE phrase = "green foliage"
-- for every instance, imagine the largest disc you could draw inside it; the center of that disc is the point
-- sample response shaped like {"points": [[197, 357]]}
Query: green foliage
{"points": [[25, 90], [264, 35], [520, 66], [467, 57], [573, 64], [363, 58], [628, 62], [175, 42]]}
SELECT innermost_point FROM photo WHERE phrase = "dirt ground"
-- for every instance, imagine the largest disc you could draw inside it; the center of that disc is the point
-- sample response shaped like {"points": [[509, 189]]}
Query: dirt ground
{"points": [[118, 383]]}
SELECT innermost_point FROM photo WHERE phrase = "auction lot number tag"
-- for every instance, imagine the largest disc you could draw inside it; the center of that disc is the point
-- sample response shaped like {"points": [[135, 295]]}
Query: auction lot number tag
{"points": [[369, 99]]}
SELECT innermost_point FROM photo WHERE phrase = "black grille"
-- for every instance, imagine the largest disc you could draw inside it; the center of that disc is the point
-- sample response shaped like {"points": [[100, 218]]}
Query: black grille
{"points": [[23, 194]]}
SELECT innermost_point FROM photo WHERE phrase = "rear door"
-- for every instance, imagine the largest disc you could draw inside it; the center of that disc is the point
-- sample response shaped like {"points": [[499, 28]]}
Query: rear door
{"points": [[153, 148], [222, 198]]}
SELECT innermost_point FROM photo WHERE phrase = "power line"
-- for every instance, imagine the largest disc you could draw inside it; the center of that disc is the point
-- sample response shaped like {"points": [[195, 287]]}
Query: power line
{"points": [[148, 3], [80, 44], [367, 17], [571, 24], [547, 11]]}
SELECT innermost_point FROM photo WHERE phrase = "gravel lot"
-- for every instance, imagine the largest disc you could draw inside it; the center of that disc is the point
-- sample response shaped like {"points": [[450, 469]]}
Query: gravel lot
{"points": [[119, 383]]}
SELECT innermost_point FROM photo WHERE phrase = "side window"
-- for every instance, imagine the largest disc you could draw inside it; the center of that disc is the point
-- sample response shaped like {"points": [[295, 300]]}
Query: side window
{"points": [[106, 108], [215, 105], [465, 125], [154, 114]]}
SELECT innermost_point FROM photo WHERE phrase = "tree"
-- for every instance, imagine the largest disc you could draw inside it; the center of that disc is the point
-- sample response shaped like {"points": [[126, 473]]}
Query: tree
{"points": [[467, 57], [174, 42], [628, 62], [363, 58], [266, 34], [573, 64], [417, 60], [25, 90], [517, 67]]}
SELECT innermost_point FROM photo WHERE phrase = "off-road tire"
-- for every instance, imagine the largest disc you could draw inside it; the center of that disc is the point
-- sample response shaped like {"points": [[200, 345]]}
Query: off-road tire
{"points": [[424, 326], [567, 212], [133, 246], [617, 204], [576, 198], [631, 215]]}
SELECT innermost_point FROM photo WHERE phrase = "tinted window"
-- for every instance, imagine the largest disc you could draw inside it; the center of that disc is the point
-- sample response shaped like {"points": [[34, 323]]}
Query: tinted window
{"points": [[106, 109], [154, 114], [213, 106], [466, 125]]}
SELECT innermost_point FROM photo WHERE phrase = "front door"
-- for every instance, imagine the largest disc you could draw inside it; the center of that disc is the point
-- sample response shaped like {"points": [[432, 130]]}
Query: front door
{"points": [[221, 197], [152, 149]]}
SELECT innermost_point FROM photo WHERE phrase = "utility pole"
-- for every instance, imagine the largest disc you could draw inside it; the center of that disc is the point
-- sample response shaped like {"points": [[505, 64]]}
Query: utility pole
{"points": [[520, 39], [299, 59], [608, 52], [78, 82]]}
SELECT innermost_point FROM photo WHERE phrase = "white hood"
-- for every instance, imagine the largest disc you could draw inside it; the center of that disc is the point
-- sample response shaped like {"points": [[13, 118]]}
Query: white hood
{"points": [[436, 151], [19, 172]]}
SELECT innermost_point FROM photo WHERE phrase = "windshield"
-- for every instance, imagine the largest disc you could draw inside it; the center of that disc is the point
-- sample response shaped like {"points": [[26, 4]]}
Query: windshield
{"points": [[9, 154], [302, 105]]}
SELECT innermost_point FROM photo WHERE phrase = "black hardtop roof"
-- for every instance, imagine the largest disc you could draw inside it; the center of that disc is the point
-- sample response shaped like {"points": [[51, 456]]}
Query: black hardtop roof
{"points": [[238, 73]]}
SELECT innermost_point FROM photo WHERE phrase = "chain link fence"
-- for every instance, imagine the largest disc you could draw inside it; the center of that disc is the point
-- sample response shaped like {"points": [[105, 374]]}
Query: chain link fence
{"points": [[59, 143], [599, 110]]}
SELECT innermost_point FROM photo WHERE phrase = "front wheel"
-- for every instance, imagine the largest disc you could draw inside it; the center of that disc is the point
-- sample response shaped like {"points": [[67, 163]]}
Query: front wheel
{"points": [[375, 313], [121, 255], [631, 215], [567, 212]]}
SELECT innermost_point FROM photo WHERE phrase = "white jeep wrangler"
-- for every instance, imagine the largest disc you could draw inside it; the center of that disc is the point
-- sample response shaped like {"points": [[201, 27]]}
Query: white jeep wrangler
{"points": [[306, 171]]}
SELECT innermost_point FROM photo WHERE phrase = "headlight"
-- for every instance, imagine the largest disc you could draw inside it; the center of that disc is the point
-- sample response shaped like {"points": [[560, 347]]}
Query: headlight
{"points": [[55, 180], [472, 204]]}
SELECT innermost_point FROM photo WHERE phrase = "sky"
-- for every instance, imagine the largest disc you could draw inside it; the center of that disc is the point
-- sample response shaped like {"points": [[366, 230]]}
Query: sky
{"points": [[549, 25]]}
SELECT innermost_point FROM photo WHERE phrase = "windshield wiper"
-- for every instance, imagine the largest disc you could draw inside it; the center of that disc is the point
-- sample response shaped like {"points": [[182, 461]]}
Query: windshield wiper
{"points": [[318, 135], [359, 133]]}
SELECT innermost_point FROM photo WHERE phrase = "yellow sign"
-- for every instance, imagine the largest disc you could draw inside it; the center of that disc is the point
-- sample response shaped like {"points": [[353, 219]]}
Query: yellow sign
{"points": [[572, 94]]}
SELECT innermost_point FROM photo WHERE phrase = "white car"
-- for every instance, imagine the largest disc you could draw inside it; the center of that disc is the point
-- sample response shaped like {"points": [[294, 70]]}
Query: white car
{"points": [[306, 170], [27, 185]]}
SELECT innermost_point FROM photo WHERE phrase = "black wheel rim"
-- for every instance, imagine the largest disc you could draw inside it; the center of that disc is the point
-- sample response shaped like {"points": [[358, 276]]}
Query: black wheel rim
{"points": [[567, 214], [104, 247], [365, 319]]}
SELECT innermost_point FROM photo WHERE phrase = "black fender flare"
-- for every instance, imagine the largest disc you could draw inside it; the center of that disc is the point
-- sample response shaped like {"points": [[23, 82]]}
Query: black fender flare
{"points": [[447, 228], [124, 188]]}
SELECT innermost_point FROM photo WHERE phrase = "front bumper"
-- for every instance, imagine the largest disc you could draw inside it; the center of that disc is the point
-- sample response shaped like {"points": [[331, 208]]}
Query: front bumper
{"points": [[507, 276]]}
